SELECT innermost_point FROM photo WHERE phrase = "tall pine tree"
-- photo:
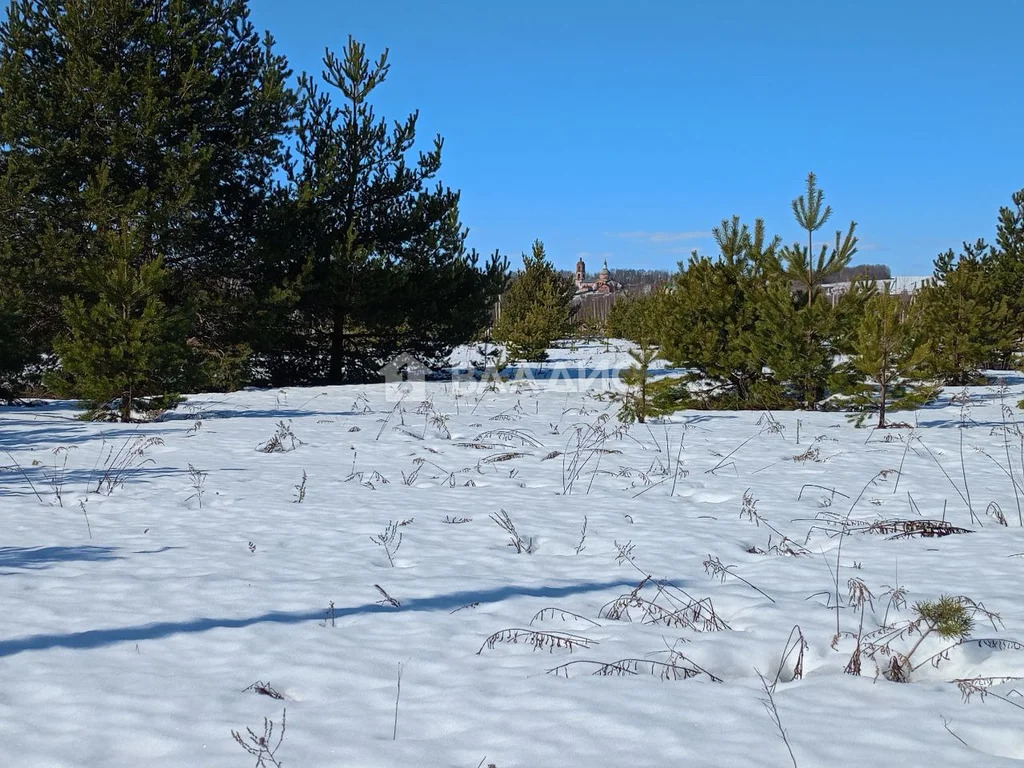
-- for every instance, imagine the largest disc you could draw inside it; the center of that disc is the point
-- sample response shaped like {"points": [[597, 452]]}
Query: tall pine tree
{"points": [[182, 108], [1005, 264], [378, 254]]}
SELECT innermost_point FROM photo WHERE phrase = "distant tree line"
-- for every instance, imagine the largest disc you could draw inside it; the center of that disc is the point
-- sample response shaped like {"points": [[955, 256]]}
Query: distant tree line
{"points": [[755, 329], [178, 212]]}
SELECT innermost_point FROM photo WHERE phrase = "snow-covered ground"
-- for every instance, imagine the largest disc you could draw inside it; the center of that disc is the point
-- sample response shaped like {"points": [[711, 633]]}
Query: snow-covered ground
{"points": [[133, 628]]}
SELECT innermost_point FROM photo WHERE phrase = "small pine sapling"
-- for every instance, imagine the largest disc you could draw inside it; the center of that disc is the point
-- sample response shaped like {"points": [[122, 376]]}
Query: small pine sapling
{"points": [[123, 350], [891, 357], [638, 320]]}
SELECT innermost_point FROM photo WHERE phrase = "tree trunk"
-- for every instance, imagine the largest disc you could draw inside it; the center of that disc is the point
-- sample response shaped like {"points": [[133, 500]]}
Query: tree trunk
{"points": [[641, 411], [335, 369], [881, 404], [810, 266], [126, 406]]}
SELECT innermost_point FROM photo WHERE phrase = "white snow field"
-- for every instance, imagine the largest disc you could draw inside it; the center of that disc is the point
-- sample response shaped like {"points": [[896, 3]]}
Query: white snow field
{"points": [[135, 631]]}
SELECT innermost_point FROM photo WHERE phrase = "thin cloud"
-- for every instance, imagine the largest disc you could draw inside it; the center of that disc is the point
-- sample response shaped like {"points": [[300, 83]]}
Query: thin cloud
{"points": [[871, 247], [661, 237]]}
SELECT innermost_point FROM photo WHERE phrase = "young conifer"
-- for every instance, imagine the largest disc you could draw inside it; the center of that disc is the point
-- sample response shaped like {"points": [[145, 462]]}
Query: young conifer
{"points": [[536, 309], [124, 351], [712, 314], [964, 317], [892, 359], [800, 264], [639, 320]]}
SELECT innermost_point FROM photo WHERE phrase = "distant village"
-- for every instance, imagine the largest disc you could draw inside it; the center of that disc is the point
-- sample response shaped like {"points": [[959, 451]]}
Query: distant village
{"points": [[597, 293]]}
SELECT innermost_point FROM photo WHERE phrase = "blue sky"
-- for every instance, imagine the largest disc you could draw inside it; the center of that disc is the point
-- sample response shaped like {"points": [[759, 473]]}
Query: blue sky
{"points": [[627, 130]]}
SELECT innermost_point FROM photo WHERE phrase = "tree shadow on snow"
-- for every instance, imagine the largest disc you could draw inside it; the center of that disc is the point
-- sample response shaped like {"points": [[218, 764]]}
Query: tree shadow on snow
{"points": [[34, 558], [98, 638], [89, 480]]}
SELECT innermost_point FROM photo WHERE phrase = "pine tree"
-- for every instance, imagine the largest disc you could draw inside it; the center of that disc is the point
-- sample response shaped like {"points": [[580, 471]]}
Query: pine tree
{"points": [[639, 320], [15, 353], [804, 345], [798, 263], [16, 349], [799, 332], [123, 344], [384, 252], [891, 356], [1005, 264], [537, 308], [712, 314], [182, 106], [795, 341], [964, 317]]}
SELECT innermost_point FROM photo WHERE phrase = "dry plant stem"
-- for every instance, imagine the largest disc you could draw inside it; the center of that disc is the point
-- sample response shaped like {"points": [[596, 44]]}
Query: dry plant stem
{"points": [[994, 643], [542, 614], [56, 480], [903, 459], [963, 470], [794, 643], [969, 687], [732, 453], [389, 540], [950, 479], [1008, 472], [583, 537], [517, 542], [398, 695], [81, 503], [713, 566], [842, 536], [259, 746], [679, 453], [945, 724], [589, 439], [300, 489], [773, 714], [25, 475], [539, 640], [666, 670], [388, 418], [833, 491], [1009, 461]]}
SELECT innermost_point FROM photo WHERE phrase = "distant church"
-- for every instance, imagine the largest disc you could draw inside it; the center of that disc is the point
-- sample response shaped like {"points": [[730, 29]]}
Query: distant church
{"points": [[603, 284]]}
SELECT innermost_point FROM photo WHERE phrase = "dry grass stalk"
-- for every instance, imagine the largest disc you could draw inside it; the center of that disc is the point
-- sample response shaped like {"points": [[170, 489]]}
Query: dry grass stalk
{"points": [[259, 746], [679, 668], [551, 613], [263, 689], [906, 529], [517, 542], [550, 641]]}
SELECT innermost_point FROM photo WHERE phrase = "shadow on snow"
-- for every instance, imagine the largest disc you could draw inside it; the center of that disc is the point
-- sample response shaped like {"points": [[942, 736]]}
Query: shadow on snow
{"points": [[98, 638], [44, 557]]}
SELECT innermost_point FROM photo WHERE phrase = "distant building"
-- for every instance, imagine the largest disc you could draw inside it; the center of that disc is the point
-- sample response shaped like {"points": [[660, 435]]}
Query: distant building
{"points": [[604, 283]]}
